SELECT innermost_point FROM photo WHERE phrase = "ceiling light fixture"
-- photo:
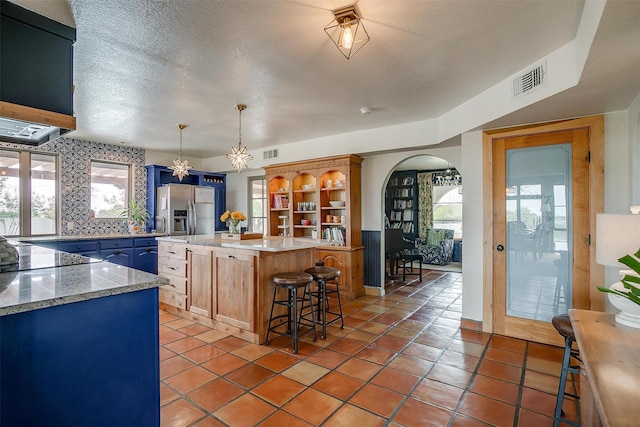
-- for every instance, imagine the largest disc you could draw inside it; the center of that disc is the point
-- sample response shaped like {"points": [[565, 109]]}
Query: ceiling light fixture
{"points": [[180, 167], [239, 156], [347, 31]]}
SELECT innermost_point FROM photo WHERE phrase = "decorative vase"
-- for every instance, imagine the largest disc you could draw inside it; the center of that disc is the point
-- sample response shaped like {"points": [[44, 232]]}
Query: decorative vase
{"points": [[234, 227], [8, 253], [133, 227]]}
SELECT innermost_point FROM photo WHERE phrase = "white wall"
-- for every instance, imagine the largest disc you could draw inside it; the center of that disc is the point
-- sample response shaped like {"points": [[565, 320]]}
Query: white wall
{"points": [[473, 238], [166, 159]]}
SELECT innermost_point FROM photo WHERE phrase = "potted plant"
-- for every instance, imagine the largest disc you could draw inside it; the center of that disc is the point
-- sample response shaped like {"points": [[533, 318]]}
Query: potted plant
{"points": [[625, 295], [137, 215]]}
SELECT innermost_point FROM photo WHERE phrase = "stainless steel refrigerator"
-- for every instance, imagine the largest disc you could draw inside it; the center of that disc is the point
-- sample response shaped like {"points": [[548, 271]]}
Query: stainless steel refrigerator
{"points": [[185, 209]]}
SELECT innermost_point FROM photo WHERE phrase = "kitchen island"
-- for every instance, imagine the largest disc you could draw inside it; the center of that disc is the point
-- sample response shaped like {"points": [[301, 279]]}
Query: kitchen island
{"points": [[78, 342], [226, 284]]}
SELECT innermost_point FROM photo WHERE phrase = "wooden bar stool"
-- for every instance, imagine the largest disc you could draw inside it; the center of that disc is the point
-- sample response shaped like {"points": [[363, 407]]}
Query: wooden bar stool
{"points": [[321, 275], [292, 283], [562, 323]]}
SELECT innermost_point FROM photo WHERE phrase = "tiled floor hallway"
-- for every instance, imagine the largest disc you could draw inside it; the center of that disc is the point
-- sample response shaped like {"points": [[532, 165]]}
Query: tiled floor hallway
{"points": [[401, 360]]}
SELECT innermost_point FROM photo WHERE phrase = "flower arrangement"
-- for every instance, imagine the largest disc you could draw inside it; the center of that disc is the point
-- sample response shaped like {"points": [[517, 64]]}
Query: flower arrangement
{"points": [[232, 219]]}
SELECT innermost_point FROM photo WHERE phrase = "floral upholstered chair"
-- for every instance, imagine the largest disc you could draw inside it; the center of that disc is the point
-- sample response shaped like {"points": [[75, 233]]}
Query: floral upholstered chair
{"points": [[437, 248]]}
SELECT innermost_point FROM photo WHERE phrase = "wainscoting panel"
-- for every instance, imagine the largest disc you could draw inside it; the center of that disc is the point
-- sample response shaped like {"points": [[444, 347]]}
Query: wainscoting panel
{"points": [[372, 261]]}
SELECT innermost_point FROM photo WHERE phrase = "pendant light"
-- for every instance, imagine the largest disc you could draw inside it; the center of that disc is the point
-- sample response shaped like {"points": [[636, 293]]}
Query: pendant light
{"points": [[180, 167], [347, 31], [239, 156]]}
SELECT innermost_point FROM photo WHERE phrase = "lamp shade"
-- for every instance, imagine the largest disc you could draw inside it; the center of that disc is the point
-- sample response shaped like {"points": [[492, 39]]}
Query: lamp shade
{"points": [[616, 236]]}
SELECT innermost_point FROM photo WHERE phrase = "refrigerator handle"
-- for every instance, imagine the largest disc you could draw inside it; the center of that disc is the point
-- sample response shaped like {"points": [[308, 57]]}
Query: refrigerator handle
{"points": [[188, 225], [192, 206]]}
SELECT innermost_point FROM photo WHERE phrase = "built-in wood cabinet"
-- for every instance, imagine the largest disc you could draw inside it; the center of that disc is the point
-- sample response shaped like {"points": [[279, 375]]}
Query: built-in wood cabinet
{"points": [[199, 273], [321, 199]]}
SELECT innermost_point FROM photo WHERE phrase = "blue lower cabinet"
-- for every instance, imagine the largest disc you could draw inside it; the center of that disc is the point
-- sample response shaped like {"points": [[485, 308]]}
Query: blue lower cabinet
{"points": [[118, 256], [146, 259], [140, 253], [88, 363]]}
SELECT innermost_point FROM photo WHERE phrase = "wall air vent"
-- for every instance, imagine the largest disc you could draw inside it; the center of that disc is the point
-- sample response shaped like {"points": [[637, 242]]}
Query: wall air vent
{"points": [[270, 154], [530, 80]]}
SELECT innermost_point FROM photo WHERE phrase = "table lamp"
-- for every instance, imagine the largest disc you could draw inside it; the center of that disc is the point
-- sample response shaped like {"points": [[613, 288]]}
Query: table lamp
{"points": [[618, 235]]}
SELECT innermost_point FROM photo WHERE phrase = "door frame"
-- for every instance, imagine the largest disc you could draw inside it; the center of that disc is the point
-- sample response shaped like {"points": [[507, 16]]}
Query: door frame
{"points": [[595, 126]]}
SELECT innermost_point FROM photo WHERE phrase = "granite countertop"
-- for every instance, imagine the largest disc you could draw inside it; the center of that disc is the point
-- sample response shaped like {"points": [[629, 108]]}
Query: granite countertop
{"points": [[86, 237], [33, 257], [44, 287], [268, 243]]}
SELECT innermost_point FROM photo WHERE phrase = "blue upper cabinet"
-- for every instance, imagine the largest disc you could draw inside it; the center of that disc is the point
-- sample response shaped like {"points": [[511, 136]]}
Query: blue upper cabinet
{"points": [[159, 175]]}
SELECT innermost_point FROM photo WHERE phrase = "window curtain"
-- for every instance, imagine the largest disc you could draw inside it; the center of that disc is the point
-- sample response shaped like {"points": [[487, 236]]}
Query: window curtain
{"points": [[425, 203]]}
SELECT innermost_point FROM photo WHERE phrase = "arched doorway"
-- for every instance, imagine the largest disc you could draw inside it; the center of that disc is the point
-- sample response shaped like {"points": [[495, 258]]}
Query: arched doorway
{"points": [[422, 203]]}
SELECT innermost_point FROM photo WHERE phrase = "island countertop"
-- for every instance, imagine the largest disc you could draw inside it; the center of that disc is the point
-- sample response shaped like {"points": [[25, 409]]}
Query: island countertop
{"points": [[267, 243], [33, 289]]}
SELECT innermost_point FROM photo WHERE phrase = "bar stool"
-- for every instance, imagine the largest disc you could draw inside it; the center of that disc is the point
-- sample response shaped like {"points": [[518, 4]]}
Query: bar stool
{"points": [[292, 282], [321, 275], [562, 323]]}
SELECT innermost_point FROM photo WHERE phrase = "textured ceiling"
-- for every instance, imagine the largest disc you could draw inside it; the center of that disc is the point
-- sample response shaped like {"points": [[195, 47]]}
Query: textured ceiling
{"points": [[142, 67]]}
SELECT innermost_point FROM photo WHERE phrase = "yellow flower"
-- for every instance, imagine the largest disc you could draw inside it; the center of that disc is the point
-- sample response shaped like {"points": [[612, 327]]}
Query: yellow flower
{"points": [[225, 216], [237, 215]]}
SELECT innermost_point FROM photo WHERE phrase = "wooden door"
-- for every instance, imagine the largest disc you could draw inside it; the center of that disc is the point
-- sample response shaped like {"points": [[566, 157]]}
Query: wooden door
{"points": [[234, 285], [199, 281], [543, 217]]}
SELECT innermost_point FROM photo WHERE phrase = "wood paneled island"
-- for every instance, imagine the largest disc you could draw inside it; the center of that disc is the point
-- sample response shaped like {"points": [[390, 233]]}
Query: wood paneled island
{"points": [[227, 284]]}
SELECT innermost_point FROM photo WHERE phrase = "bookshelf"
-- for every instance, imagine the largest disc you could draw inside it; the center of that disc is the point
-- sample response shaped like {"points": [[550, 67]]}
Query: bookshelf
{"points": [[401, 202], [323, 202]]}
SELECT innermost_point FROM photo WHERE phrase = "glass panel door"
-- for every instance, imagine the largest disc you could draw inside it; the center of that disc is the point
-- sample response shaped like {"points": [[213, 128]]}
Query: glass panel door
{"points": [[538, 231]]}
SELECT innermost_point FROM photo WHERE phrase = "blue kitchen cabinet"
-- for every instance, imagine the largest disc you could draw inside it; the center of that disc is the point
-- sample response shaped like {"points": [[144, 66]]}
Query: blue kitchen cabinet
{"points": [[88, 248], [145, 254], [136, 252], [87, 363], [117, 251], [158, 175]]}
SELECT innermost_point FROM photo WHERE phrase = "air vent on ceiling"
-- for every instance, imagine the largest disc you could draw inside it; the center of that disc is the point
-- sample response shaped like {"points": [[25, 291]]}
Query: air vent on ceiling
{"points": [[529, 80], [270, 154]]}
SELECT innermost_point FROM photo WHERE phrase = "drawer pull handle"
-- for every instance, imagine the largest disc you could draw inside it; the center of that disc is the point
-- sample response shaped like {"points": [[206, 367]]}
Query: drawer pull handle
{"points": [[148, 250], [231, 256], [117, 252], [172, 268]]}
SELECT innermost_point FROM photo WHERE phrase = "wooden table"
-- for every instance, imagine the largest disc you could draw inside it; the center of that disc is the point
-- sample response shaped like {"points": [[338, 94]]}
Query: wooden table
{"points": [[610, 354]]}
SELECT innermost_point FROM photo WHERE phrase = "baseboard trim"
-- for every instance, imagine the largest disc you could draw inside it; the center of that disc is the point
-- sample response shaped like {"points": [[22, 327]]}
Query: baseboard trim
{"points": [[474, 325], [374, 290]]}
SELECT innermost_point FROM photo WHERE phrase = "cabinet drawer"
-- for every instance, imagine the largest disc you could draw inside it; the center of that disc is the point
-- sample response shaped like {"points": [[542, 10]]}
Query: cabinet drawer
{"points": [[116, 243], [169, 250], [144, 242], [177, 284], [78, 246], [172, 298], [174, 267]]}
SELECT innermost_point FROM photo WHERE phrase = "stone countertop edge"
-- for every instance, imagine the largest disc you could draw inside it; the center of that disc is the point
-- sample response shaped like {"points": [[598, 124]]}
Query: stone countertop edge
{"points": [[69, 284], [33, 239], [267, 244]]}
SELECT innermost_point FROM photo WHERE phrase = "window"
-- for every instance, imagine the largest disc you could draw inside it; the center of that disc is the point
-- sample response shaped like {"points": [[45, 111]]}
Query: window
{"points": [[258, 204], [28, 193], [447, 208], [110, 183], [43, 194]]}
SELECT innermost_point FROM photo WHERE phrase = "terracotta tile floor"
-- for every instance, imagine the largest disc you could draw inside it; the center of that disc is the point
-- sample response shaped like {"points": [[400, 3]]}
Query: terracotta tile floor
{"points": [[401, 360]]}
